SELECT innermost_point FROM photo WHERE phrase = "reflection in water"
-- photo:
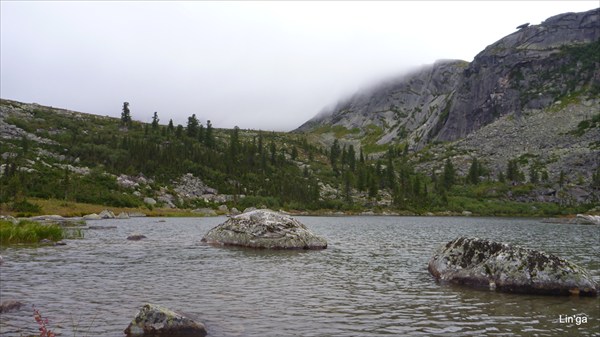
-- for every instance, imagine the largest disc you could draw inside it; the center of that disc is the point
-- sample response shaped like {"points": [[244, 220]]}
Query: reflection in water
{"points": [[371, 281]]}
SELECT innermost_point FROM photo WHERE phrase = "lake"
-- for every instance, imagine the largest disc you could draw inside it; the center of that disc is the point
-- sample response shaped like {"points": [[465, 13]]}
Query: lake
{"points": [[372, 280]]}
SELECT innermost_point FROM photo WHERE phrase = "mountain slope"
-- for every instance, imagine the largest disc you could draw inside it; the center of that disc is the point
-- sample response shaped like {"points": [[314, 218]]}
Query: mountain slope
{"points": [[528, 69]]}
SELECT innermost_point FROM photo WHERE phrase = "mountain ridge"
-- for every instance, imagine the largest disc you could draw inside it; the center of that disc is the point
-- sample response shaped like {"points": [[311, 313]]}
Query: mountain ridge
{"points": [[450, 99]]}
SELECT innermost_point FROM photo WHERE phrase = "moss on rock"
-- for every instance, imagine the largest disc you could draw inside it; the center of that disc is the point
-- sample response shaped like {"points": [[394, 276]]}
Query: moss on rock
{"points": [[509, 268]]}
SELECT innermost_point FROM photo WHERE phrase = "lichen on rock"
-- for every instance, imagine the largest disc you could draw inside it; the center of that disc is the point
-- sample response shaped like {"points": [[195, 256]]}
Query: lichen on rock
{"points": [[157, 321], [509, 268], [264, 228]]}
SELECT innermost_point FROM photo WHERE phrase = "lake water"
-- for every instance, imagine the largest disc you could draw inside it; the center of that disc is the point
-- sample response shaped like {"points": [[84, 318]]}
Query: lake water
{"points": [[372, 280]]}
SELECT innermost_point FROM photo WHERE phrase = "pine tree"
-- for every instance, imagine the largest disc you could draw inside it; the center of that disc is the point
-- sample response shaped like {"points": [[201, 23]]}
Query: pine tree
{"points": [[474, 170], [170, 127], [126, 115], [351, 155], [596, 178], [209, 139], [449, 174], [334, 154], [155, 121], [192, 126], [534, 176]]}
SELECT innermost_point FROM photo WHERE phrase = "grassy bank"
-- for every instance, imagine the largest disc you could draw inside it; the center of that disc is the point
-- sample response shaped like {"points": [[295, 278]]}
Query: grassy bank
{"points": [[29, 232], [78, 209], [456, 205]]}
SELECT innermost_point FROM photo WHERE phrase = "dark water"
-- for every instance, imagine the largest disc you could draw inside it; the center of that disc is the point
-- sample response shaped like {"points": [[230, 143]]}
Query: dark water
{"points": [[371, 281]]}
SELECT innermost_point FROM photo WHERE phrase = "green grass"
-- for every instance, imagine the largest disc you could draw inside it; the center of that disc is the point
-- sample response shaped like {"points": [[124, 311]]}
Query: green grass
{"points": [[29, 232]]}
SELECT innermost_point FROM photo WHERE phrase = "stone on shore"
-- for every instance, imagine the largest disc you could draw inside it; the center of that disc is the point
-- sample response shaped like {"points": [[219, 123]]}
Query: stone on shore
{"points": [[156, 321], [588, 219], [264, 229], [509, 268], [92, 216], [106, 214], [123, 215]]}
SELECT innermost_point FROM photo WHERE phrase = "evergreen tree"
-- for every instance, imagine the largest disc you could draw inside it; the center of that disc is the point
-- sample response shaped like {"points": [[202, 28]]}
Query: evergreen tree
{"points": [[179, 131], [192, 126], [334, 154], [596, 178], [449, 174], [294, 153], [126, 115], [473, 176], [534, 176], [155, 121], [201, 133], [170, 127], [209, 139], [351, 155], [234, 143], [373, 185], [513, 173], [348, 182], [273, 150], [501, 177]]}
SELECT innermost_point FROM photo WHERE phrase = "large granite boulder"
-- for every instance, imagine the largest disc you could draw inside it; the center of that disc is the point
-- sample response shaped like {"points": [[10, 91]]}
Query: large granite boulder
{"points": [[264, 228], [509, 268], [156, 321]]}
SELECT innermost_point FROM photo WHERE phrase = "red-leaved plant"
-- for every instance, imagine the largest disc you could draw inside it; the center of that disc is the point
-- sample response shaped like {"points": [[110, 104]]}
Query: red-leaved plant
{"points": [[42, 322]]}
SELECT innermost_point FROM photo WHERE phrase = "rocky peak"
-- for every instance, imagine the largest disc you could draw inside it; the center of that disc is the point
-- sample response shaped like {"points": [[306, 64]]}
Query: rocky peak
{"points": [[530, 68]]}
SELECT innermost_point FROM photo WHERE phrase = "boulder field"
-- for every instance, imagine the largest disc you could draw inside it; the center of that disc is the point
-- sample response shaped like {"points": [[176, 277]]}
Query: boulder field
{"points": [[509, 268]]}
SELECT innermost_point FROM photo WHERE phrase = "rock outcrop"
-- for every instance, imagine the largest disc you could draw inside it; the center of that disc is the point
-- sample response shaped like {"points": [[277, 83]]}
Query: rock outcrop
{"points": [[509, 268], [528, 69], [156, 321], [264, 229]]}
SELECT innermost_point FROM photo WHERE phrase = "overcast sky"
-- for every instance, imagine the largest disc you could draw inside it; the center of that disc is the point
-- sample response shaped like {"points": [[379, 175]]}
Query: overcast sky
{"points": [[260, 65]]}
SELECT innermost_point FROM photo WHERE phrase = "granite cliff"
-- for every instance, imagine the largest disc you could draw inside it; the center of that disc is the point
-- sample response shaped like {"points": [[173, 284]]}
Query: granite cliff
{"points": [[530, 69]]}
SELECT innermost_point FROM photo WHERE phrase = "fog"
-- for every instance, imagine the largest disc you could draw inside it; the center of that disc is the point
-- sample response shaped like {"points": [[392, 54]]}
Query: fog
{"points": [[259, 65]]}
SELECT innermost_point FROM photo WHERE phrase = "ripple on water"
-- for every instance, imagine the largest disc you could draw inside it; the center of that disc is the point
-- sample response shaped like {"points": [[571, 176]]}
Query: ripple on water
{"points": [[371, 281]]}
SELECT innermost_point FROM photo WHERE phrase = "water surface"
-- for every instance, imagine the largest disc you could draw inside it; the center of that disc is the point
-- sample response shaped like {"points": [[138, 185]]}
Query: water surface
{"points": [[371, 281]]}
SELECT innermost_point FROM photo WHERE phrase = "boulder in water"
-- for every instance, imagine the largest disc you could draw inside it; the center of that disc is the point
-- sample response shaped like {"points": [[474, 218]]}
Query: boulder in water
{"points": [[264, 229], [10, 305], [509, 268], [136, 237], [156, 321]]}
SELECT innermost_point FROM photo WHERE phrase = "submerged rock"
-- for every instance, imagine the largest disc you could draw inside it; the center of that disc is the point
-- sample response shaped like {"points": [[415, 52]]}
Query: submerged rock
{"points": [[136, 237], [264, 229], [509, 268], [156, 321], [10, 305]]}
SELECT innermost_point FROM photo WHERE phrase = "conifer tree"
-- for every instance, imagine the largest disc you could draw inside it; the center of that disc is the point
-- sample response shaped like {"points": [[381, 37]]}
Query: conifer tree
{"points": [[474, 171], [209, 138], [449, 174], [126, 115], [192, 126], [155, 121]]}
